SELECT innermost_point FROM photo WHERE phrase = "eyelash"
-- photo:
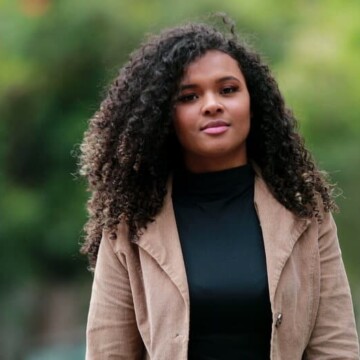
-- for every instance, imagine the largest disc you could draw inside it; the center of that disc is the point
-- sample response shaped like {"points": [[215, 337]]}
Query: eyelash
{"points": [[227, 90], [187, 98]]}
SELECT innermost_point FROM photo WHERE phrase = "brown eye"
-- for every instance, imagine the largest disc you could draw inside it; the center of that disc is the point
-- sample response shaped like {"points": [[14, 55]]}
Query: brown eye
{"points": [[187, 98], [229, 90]]}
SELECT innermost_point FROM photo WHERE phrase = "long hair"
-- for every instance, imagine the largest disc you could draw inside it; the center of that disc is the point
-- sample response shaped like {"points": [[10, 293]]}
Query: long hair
{"points": [[130, 147]]}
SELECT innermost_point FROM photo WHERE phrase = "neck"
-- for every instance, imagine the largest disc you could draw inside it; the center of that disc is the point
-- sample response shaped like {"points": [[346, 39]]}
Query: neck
{"points": [[200, 164]]}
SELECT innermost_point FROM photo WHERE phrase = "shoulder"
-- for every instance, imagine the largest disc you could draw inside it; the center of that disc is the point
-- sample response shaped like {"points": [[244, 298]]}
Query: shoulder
{"points": [[117, 241]]}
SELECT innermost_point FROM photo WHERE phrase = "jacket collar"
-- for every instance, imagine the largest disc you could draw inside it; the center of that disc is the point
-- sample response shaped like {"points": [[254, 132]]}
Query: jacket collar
{"points": [[161, 241], [280, 229]]}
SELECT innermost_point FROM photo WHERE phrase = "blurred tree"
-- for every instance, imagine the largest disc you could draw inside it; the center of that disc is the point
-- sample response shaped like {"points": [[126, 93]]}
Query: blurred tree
{"points": [[55, 61]]}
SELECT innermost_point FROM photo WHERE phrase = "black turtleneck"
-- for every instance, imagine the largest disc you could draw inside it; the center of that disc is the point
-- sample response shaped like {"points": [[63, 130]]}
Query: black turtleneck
{"points": [[222, 244]]}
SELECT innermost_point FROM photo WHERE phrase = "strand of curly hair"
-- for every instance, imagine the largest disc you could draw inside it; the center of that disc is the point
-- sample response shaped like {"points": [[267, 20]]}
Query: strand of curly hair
{"points": [[130, 148]]}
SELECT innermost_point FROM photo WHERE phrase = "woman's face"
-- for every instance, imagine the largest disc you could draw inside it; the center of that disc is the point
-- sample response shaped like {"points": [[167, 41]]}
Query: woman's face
{"points": [[212, 113]]}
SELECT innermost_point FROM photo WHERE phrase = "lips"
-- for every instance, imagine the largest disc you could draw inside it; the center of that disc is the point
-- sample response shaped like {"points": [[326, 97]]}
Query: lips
{"points": [[214, 124], [215, 127]]}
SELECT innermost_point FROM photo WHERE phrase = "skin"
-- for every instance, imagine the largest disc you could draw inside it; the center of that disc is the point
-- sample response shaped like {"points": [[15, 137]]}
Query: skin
{"points": [[212, 114]]}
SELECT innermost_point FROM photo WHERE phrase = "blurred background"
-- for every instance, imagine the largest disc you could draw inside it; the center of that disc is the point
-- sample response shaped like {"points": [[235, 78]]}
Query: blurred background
{"points": [[56, 58]]}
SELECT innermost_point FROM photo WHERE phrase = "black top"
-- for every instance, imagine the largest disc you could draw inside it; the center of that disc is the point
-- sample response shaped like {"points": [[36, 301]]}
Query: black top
{"points": [[222, 244]]}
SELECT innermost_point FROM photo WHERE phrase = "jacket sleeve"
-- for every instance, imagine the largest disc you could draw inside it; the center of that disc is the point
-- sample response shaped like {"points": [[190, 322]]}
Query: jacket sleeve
{"points": [[112, 332], [334, 334]]}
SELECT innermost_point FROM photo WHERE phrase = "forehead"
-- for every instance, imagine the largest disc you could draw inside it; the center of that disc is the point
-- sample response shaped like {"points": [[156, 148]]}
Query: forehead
{"points": [[213, 63]]}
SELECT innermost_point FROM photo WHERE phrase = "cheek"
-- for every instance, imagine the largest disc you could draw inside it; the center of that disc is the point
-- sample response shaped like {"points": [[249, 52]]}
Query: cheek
{"points": [[241, 107], [242, 115], [182, 123]]}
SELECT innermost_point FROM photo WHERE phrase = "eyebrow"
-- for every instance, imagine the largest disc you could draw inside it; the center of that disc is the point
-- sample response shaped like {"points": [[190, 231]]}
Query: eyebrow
{"points": [[192, 86]]}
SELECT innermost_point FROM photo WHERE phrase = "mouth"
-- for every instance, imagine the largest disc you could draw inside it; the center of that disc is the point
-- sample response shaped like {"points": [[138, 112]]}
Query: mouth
{"points": [[215, 127]]}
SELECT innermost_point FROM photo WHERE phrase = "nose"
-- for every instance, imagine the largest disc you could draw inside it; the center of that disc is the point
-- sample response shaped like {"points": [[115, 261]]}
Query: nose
{"points": [[212, 105]]}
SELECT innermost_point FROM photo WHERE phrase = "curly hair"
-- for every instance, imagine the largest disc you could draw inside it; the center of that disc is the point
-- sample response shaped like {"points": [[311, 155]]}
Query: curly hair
{"points": [[130, 147]]}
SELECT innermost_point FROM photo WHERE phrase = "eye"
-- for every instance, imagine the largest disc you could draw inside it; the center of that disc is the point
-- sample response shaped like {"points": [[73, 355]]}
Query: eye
{"points": [[187, 98], [229, 89]]}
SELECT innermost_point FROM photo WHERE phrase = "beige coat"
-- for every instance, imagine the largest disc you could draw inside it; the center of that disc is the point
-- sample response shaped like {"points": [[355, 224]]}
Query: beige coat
{"points": [[140, 309]]}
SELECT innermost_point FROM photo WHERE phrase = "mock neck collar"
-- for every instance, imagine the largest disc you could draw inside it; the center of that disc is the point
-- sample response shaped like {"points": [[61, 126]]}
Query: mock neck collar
{"points": [[212, 185]]}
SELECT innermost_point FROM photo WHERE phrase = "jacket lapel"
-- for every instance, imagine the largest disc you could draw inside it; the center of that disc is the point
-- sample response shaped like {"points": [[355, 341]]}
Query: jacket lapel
{"points": [[161, 241], [281, 229]]}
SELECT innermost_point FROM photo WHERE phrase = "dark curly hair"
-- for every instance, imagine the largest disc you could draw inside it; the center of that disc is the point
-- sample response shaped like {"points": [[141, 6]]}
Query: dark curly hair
{"points": [[130, 147]]}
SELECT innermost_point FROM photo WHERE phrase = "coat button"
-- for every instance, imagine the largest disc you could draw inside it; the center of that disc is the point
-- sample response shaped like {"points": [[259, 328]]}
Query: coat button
{"points": [[279, 318]]}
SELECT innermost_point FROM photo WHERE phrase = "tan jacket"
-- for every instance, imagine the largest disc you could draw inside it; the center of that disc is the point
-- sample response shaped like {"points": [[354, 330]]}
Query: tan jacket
{"points": [[140, 309]]}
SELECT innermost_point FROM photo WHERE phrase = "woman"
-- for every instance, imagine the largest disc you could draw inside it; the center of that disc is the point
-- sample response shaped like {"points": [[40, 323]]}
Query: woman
{"points": [[210, 230]]}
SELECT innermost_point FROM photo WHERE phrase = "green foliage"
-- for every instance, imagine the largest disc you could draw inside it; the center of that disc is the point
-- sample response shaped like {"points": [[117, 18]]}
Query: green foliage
{"points": [[56, 59]]}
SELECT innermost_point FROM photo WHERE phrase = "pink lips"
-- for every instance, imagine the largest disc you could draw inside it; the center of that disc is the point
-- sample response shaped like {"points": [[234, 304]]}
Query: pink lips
{"points": [[215, 127]]}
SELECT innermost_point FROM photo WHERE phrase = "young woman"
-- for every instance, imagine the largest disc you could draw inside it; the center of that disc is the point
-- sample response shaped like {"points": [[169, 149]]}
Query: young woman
{"points": [[210, 231]]}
